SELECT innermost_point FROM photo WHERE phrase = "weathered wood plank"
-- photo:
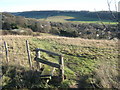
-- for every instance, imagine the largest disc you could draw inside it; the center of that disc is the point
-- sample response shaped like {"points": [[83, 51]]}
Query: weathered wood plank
{"points": [[52, 53], [47, 62]]}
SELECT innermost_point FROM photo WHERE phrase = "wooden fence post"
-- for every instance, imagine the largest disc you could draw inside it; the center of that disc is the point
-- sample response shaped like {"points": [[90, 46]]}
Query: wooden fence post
{"points": [[6, 51], [38, 56], [28, 52], [61, 62]]}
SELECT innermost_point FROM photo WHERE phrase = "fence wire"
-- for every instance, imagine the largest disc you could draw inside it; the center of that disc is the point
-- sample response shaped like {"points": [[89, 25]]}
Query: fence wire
{"points": [[17, 54]]}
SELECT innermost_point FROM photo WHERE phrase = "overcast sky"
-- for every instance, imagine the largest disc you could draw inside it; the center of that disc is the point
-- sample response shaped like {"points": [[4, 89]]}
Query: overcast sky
{"points": [[28, 5]]}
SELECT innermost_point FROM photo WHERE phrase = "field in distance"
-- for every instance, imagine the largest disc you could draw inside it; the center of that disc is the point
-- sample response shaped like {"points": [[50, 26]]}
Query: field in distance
{"points": [[68, 20]]}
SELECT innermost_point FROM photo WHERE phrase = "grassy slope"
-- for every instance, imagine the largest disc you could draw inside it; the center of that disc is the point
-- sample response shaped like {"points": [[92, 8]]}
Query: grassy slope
{"points": [[85, 60]]}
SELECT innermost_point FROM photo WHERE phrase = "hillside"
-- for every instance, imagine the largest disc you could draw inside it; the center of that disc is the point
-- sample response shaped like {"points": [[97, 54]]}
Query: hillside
{"points": [[76, 15], [88, 63], [56, 25]]}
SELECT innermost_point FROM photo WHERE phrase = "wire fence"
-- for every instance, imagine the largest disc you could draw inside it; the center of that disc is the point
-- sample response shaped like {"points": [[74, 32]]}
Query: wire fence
{"points": [[13, 52]]}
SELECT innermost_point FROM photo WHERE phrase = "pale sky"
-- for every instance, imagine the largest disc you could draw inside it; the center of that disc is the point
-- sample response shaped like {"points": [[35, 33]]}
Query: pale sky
{"points": [[78, 5]]}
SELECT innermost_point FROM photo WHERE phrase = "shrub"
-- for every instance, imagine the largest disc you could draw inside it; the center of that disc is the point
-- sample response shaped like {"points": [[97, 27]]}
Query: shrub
{"points": [[14, 26]]}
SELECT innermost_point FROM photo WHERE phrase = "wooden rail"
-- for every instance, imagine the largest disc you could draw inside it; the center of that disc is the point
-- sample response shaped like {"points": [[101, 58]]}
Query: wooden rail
{"points": [[47, 62], [60, 66], [51, 53]]}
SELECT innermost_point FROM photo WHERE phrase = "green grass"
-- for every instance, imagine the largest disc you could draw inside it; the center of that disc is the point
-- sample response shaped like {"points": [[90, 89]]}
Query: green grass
{"points": [[66, 18], [98, 22], [85, 60]]}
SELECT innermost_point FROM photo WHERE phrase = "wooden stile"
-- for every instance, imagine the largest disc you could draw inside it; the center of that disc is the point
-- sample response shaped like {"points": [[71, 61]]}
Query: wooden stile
{"points": [[39, 61], [60, 66]]}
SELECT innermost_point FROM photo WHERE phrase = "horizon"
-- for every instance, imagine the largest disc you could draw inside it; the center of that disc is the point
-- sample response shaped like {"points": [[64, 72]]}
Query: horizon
{"points": [[58, 10], [60, 5]]}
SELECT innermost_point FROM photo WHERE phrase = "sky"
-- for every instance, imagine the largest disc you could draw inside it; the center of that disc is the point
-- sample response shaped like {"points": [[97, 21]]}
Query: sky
{"points": [[36, 5]]}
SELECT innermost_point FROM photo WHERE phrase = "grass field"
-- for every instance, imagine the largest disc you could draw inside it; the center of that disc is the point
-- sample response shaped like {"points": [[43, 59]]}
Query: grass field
{"points": [[88, 63], [69, 19]]}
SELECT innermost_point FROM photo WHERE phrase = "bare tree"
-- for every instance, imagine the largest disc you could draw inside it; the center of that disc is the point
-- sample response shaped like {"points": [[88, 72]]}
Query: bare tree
{"points": [[0, 20]]}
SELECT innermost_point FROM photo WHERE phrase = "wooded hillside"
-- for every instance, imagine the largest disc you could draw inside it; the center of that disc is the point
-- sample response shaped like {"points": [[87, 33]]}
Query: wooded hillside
{"points": [[13, 25]]}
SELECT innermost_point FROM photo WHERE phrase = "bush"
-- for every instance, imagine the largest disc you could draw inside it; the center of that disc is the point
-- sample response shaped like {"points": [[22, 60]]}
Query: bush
{"points": [[18, 77], [55, 31], [17, 32], [14, 26]]}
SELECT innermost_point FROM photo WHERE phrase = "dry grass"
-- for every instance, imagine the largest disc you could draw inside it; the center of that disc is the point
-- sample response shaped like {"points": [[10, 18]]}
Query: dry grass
{"points": [[80, 41], [107, 66], [16, 49]]}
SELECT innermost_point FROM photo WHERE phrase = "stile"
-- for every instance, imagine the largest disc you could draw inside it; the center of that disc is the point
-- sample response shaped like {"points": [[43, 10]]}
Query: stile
{"points": [[60, 66]]}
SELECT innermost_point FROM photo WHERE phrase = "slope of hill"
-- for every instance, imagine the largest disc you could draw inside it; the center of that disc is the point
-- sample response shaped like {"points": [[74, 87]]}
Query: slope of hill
{"points": [[77, 15], [88, 63]]}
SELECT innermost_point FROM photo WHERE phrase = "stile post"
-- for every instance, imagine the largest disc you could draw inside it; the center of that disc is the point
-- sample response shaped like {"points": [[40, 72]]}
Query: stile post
{"points": [[61, 62], [28, 52], [6, 51], [38, 56]]}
